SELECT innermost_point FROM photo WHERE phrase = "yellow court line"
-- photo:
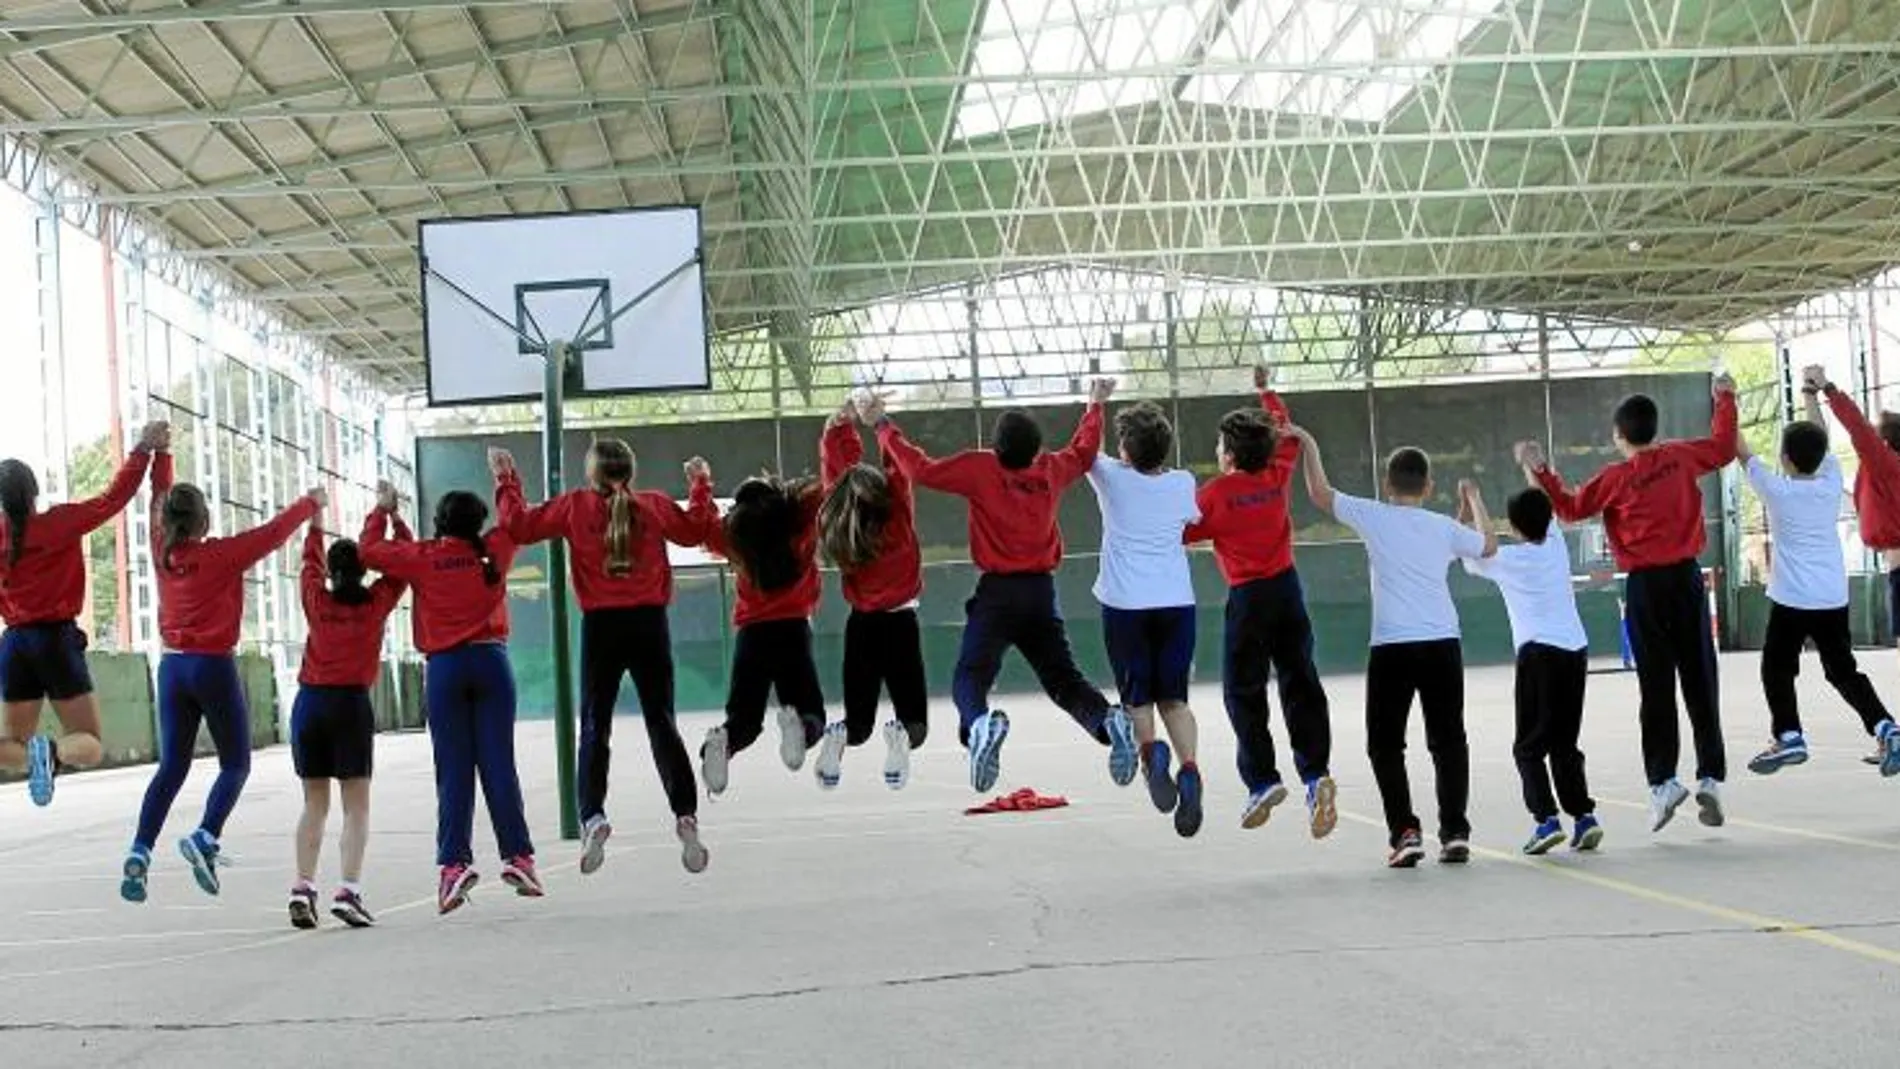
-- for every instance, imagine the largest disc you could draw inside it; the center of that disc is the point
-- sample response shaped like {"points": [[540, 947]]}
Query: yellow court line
{"points": [[1757, 922], [1781, 829]]}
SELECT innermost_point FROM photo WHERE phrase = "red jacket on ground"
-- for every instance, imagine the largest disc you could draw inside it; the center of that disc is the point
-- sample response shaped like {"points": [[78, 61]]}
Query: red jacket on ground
{"points": [[201, 581], [895, 577], [344, 646], [795, 601], [1651, 503], [580, 517], [1246, 514], [455, 603], [48, 583], [1013, 514], [1877, 483]]}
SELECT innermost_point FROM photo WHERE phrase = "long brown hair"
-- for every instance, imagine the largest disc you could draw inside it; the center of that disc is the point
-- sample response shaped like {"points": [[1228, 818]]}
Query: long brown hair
{"points": [[610, 467], [460, 515], [851, 520], [18, 490], [763, 530], [183, 517]]}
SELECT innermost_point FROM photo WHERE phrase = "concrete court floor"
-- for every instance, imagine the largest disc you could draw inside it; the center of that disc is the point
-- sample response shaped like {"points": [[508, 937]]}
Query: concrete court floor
{"points": [[865, 928]]}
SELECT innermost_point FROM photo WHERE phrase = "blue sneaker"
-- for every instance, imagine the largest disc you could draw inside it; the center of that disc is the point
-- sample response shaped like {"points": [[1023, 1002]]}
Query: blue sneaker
{"points": [[1889, 749], [1788, 750], [1260, 805], [1187, 815], [39, 769], [986, 750], [1544, 837], [1158, 762], [203, 854], [1588, 834], [1123, 755], [132, 878]]}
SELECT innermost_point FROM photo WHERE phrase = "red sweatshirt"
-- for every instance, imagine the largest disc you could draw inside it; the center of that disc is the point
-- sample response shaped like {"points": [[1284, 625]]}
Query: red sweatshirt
{"points": [[895, 577], [1246, 513], [1877, 483], [455, 603], [201, 586], [344, 647], [580, 516], [1650, 503], [796, 601], [1013, 526], [48, 584]]}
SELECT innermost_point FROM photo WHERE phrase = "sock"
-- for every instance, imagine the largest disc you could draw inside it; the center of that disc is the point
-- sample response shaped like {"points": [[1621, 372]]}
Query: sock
{"points": [[304, 884], [352, 887]]}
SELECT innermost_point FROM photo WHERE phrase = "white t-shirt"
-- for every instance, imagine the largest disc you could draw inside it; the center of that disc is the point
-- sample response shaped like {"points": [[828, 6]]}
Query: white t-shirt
{"points": [[1535, 580], [1144, 564], [1806, 569], [1409, 549]]}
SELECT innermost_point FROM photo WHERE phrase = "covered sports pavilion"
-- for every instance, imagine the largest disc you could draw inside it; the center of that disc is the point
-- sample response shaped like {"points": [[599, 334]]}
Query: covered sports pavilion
{"points": [[974, 203]]}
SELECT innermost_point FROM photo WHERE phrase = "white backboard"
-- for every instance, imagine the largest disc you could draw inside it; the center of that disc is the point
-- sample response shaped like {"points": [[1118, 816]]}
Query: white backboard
{"points": [[556, 276]]}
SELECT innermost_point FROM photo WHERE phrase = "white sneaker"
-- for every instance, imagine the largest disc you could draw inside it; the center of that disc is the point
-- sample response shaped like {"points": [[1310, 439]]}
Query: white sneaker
{"points": [[715, 761], [594, 838], [791, 739], [896, 755], [693, 853], [1708, 795], [830, 765], [1664, 800]]}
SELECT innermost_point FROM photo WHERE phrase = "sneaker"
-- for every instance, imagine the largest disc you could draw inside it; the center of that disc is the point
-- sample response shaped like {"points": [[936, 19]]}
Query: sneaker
{"points": [[1708, 795], [1188, 814], [594, 836], [519, 874], [1588, 834], [1322, 812], [1664, 800], [986, 750], [1889, 749], [791, 739], [830, 766], [452, 892], [348, 907], [1454, 852], [693, 853], [303, 907], [1260, 805], [1789, 749], [1157, 761], [1409, 852], [205, 857], [39, 770], [896, 755], [132, 875], [1123, 754], [715, 761], [1545, 837]]}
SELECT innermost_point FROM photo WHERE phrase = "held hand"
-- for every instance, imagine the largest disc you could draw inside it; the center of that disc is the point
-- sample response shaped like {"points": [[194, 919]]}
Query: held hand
{"points": [[869, 405], [155, 437], [1530, 455], [386, 498], [698, 470], [1814, 378], [1467, 490], [1724, 384], [500, 462], [1100, 390], [319, 495], [846, 413], [1262, 374], [1296, 431]]}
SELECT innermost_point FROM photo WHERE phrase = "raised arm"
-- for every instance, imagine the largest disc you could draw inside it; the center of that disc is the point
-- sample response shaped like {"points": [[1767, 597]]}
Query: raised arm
{"points": [[525, 525], [398, 560], [952, 475], [1074, 460], [80, 518], [839, 447], [1570, 506], [1318, 488], [1712, 453], [1476, 516], [1860, 430], [687, 526], [310, 578], [241, 552]]}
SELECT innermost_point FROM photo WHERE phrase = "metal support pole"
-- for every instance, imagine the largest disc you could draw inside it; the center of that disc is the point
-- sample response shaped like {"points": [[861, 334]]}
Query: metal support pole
{"points": [[553, 399]]}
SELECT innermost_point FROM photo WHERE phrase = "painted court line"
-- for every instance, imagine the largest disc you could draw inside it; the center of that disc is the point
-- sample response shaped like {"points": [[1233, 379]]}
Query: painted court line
{"points": [[1784, 829], [1756, 922]]}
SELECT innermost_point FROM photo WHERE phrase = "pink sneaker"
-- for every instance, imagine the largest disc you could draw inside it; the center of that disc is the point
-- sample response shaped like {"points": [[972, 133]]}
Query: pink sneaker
{"points": [[519, 874], [452, 892]]}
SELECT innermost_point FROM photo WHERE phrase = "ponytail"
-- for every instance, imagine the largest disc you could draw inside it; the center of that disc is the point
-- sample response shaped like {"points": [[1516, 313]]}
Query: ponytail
{"points": [[852, 519], [610, 469], [183, 517], [460, 515], [18, 489], [620, 530]]}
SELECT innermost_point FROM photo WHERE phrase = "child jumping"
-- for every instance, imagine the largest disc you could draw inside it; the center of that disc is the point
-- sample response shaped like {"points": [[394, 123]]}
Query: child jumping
{"points": [[1416, 649], [332, 722], [1014, 489], [1553, 662], [43, 652], [771, 537], [200, 613], [1244, 513], [1651, 506], [624, 583], [1147, 597], [461, 629], [868, 528], [1807, 589]]}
